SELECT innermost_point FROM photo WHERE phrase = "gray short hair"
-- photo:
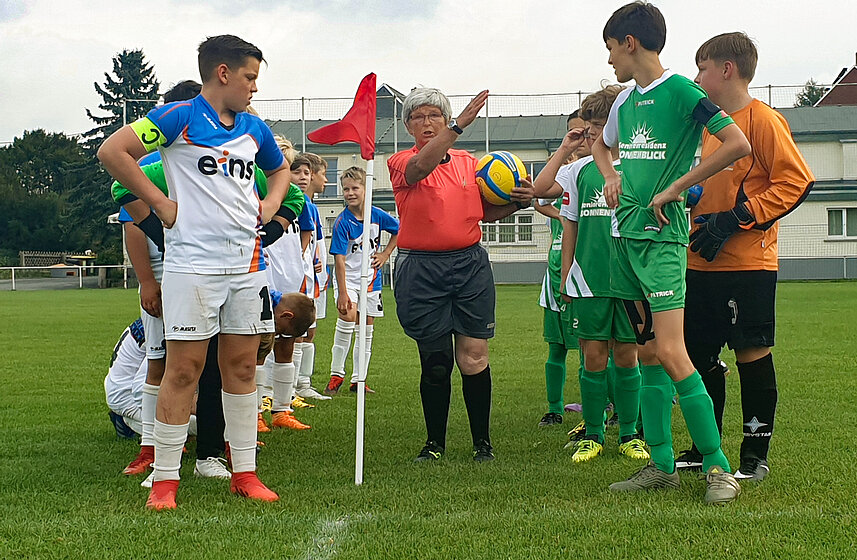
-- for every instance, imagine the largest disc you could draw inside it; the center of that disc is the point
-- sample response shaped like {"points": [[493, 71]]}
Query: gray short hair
{"points": [[420, 97]]}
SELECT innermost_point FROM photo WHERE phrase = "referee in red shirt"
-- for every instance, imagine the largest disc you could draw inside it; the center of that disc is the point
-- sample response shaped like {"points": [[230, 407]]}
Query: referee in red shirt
{"points": [[444, 287]]}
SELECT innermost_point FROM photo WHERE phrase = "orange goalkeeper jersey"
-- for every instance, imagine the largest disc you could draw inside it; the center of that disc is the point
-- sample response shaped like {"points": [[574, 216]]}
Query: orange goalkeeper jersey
{"points": [[773, 180]]}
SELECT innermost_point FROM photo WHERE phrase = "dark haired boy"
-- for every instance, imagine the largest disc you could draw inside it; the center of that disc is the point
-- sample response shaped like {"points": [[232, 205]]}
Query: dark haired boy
{"points": [[656, 126], [214, 280], [732, 260]]}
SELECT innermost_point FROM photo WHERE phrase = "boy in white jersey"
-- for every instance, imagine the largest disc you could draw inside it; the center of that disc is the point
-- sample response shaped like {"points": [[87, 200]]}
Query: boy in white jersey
{"points": [[214, 279], [311, 240], [286, 273], [657, 126], [346, 246]]}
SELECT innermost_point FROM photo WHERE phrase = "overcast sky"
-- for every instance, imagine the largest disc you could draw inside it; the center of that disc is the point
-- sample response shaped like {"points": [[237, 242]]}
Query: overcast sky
{"points": [[51, 51]]}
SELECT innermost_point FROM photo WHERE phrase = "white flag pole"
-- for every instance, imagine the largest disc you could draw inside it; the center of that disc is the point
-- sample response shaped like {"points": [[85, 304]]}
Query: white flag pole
{"points": [[361, 329]]}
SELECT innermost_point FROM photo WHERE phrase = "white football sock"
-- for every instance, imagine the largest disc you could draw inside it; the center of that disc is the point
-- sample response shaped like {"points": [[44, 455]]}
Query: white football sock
{"points": [[264, 386], [341, 346], [169, 440], [297, 356], [148, 406], [356, 373], [308, 360], [284, 384], [240, 416]]}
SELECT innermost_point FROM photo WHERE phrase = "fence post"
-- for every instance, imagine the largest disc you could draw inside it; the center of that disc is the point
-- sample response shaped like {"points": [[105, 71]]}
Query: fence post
{"points": [[487, 142], [80, 277], [125, 276], [13, 278], [395, 126], [770, 100], [303, 125]]}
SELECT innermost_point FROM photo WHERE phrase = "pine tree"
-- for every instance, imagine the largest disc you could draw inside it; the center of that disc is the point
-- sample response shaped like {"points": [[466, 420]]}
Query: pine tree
{"points": [[810, 94], [132, 78]]}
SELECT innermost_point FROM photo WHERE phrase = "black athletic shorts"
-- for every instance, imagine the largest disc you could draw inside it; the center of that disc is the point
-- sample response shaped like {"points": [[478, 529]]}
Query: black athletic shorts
{"points": [[442, 292], [729, 307]]}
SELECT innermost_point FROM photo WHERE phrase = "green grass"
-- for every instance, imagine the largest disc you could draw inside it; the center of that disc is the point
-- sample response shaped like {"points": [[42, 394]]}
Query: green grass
{"points": [[62, 494]]}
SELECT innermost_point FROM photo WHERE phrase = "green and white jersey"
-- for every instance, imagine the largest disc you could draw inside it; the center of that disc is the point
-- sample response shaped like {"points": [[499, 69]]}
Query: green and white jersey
{"points": [[583, 202], [657, 130], [550, 295]]}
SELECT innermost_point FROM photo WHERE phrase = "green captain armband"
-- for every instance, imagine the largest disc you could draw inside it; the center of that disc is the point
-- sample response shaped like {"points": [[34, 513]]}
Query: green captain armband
{"points": [[149, 134]]}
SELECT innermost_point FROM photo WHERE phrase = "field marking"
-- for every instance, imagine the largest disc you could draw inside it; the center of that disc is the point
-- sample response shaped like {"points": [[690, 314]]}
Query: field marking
{"points": [[329, 534]]}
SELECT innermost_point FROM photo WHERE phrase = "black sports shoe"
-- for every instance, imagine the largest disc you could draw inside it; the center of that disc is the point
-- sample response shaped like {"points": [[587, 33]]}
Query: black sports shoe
{"points": [[752, 469], [551, 419], [482, 451], [689, 459], [430, 452]]}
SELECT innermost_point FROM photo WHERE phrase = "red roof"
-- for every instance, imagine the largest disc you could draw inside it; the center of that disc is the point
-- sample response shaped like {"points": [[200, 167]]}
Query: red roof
{"points": [[844, 90]]}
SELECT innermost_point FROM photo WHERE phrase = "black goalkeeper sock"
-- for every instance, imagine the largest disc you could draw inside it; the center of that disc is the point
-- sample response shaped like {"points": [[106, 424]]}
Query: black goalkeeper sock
{"points": [[758, 405], [714, 378], [435, 388], [477, 400]]}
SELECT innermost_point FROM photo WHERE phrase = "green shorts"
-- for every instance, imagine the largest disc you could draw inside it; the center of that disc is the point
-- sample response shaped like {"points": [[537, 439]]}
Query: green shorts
{"points": [[558, 327], [602, 319], [648, 270]]}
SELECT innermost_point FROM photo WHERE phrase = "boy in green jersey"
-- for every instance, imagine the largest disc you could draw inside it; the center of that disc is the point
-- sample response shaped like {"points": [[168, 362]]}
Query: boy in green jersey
{"points": [[599, 318], [657, 126], [557, 315]]}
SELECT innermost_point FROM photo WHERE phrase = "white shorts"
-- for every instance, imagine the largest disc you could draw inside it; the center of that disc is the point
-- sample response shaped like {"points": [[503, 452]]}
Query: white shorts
{"points": [[374, 305], [198, 306], [153, 328], [321, 306]]}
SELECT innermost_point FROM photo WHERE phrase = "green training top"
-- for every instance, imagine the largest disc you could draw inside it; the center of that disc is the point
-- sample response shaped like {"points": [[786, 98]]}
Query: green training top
{"points": [[583, 202], [657, 130], [550, 297], [294, 199]]}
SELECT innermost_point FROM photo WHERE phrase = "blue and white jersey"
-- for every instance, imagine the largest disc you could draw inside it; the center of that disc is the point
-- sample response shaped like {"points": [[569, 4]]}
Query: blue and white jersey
{"points": [[310, 222], [209, 170], [287, 269], [347, 239]]}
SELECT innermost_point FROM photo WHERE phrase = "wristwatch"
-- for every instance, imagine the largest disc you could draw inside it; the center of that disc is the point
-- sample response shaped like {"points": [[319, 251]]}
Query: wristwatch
{"points": [[453, 126]]}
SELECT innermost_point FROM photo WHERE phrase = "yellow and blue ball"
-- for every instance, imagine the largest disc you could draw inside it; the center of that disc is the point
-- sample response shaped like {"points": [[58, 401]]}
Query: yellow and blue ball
{"points": [[497, 173]]}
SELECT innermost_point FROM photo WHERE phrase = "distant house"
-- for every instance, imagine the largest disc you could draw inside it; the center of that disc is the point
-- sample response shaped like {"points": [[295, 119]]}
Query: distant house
{"points": [[843, 91]]}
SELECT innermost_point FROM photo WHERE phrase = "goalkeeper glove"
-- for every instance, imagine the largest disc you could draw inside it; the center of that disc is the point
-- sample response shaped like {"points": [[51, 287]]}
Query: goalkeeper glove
{"points": [[716, 228], [153, 229], [270, 232]]}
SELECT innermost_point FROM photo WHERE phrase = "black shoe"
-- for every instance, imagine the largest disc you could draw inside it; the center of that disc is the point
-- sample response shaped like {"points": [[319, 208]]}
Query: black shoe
{"points": [[483, 452], [430, 452], [752, 469], [613, 421], [551, 419], [689, 459]]}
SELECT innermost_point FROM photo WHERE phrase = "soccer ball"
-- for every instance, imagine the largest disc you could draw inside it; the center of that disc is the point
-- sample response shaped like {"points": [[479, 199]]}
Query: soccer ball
{"points": [[497, 173]]}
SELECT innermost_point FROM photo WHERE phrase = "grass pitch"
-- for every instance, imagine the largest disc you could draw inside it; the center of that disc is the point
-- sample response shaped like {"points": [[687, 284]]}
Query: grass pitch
{"points": [[62, 494]]}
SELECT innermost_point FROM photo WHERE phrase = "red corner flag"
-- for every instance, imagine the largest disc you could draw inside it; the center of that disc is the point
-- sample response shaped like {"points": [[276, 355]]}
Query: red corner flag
{"points": [[358, 124]]}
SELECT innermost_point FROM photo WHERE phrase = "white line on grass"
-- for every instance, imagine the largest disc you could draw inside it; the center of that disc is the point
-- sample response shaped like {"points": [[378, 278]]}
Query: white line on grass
{"points": [[330, 535]]}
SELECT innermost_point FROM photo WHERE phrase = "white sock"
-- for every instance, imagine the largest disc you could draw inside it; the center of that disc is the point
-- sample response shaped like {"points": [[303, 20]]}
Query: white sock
{"points": [[192, 429], [284, 384], [341, 346], [148, 406], [169, 440], [240, 416], [355, 355], [297, 356], [308, 360], [263, 381]]}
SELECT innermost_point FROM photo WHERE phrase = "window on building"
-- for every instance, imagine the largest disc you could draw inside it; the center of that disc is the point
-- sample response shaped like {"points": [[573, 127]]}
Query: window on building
{"points": [[331, 189], [534, 168], [842, 222], [512, 229]]}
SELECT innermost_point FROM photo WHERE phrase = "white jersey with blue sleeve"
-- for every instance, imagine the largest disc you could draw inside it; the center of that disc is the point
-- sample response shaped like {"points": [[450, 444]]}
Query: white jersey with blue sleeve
{"points": [[347, 239], [209, 168], [286, 266], [124, 382]]}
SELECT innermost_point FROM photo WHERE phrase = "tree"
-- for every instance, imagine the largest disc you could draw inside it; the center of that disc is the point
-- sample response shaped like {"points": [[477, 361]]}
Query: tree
{"points": [[132, 78], [41, 162], [810, 94]]}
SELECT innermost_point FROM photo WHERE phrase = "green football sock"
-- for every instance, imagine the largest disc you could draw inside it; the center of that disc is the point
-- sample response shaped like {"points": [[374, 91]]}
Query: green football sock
{"points": [[656, 399], [593, 392], [627, 399], [555, 377], [698, 414], [611, 381]]}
